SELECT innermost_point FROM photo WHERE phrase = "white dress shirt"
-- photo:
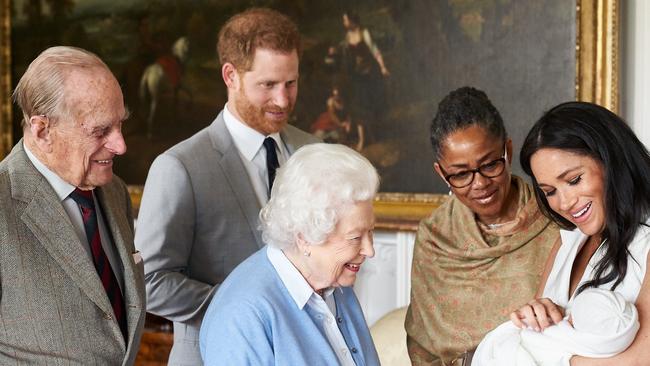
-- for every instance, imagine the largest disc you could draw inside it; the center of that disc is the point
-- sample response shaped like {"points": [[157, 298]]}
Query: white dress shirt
{"points": [[63, 190], [303, 294], [250, 144]]}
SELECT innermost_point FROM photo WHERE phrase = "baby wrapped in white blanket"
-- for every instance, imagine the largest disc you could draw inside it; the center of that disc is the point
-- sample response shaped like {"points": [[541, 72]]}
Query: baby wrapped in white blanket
{"points": [[604, 324]]}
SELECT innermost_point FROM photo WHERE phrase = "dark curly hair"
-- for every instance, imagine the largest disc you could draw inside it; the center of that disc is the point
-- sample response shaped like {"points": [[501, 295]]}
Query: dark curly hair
{"points": [[591, 130], [460, 109]]}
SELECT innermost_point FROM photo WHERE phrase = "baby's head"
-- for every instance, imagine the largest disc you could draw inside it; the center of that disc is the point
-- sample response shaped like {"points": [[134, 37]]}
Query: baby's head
{"points": [[600, 311]]}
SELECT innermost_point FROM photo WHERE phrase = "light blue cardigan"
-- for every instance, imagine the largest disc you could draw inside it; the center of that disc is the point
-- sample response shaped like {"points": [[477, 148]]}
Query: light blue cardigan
{"points": [[253, 320]]}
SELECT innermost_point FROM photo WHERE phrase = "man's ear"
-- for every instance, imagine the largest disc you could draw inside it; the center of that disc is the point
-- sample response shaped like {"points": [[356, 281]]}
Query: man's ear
{"points": [[40, 131], [230, 76]]}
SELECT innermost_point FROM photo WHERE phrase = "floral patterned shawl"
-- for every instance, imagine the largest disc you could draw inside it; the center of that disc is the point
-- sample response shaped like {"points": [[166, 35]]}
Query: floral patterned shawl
{"points": [[467, 278]]}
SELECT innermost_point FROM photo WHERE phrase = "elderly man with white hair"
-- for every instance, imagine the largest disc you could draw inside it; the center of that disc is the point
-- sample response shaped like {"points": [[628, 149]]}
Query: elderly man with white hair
{"points": [[291, 303], [71, 282]]}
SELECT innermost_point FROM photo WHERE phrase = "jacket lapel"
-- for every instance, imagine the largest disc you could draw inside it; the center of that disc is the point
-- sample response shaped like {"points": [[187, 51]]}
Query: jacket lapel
{"points": [[294, 138], [289, 140], [235, 172], [122, 234]]}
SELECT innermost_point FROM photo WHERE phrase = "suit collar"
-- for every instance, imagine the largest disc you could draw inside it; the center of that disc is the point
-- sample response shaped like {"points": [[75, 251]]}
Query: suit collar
{"points": [[219, 135], [290, 135], [122, 234], [60, 186], [24, 178], [235, 173]]}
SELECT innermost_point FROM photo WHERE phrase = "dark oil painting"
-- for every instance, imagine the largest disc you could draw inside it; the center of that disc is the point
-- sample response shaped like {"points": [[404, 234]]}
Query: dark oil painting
{"points": [[371, 73]]}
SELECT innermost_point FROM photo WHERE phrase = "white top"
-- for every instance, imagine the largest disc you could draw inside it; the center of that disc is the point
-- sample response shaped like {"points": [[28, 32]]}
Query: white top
{"points": [[63, 190], [250, 144], [303, 294], [557, 285]]}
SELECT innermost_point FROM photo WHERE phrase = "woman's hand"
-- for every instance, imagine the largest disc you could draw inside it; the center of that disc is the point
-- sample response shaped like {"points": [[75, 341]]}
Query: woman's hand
{"points": [[538, 314]]}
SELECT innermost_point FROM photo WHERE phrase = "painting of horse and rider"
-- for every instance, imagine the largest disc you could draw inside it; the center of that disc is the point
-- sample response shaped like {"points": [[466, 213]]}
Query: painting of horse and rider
{"points": [[371, 71]]}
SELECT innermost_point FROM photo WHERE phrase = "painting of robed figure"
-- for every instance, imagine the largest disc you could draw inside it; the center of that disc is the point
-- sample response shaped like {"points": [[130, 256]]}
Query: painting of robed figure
{"points": [[371, 72]]}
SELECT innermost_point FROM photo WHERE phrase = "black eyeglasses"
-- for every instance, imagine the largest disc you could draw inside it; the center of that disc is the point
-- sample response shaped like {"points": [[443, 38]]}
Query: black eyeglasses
{"points": [[490, 169]]}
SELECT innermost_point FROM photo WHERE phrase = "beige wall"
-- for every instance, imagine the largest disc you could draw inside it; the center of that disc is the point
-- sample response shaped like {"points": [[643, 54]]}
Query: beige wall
{"points": [[635, 66]]}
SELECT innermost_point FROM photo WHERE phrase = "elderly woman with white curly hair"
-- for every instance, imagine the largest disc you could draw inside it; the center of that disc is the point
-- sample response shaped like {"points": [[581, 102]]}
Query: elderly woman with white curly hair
{"points": [[291, 303]]}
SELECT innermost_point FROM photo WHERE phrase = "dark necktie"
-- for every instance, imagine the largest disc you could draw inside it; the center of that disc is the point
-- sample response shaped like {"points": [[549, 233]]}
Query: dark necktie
{"points": [[85, 201], [271, 160]]}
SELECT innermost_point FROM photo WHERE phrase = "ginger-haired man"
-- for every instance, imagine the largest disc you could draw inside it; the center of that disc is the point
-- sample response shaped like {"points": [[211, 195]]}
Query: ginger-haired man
{"points": [[199, 213]]}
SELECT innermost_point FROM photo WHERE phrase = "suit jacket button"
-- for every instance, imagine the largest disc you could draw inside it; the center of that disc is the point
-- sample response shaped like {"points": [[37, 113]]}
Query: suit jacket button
{"points": [[108, 316]]}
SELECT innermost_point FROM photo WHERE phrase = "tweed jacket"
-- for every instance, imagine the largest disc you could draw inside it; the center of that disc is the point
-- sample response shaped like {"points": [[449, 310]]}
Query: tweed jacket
{"points": [[53, 307]]}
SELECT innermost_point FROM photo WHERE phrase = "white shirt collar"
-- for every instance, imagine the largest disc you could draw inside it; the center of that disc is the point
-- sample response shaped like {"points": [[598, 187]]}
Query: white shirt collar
{"points": [[61, 187], [295, 283], [247, 140], [575, 237]]}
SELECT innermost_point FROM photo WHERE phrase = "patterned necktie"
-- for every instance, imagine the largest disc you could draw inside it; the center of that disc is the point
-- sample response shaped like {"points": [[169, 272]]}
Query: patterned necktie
{"points": [[87, 205], [271, 160]]}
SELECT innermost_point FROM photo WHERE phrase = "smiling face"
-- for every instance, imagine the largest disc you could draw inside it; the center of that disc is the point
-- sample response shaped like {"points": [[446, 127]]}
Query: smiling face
{"points": [[469, 148], [574, 187], [337, 261], [264, 97], [82, 149]]}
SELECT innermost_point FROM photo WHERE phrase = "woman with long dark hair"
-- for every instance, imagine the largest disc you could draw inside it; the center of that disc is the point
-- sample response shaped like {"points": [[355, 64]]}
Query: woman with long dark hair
{"points": [[591, 175]]}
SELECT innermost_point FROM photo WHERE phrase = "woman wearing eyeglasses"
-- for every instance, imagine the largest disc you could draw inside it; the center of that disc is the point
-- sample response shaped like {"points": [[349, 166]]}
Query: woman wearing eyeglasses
{"points": [[482, 253]]}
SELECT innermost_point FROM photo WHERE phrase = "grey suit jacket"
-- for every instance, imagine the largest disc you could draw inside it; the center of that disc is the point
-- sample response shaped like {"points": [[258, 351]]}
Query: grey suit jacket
{"points": [[198, 220], [53, 307]]}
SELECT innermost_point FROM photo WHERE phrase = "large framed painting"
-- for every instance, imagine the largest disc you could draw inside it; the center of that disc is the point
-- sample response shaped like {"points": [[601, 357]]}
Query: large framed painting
{"points": [[372, 71]]}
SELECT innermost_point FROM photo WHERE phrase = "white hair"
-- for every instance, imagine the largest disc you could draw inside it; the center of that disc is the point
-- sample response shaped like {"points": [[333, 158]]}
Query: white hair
{"points": [[310, 190], [41, 89]]}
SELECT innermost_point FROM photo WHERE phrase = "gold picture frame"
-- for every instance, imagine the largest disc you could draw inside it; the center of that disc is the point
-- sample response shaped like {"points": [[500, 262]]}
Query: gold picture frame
{"points": [[597, 32], [5, 79]]}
